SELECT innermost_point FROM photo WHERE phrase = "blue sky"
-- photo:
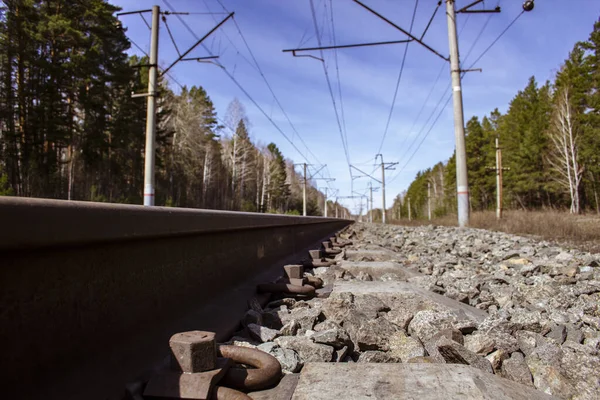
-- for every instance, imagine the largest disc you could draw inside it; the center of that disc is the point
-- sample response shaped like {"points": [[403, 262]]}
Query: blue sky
{"points": [[536, 44]]}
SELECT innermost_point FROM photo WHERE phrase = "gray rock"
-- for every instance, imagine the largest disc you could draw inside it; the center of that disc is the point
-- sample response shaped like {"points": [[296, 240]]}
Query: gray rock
{"points": [[528, 341], [262, 333], [326, 325], [574, 335], [558, 334], [307, 318], [370, 305], [290, 329], [496, 359], [454, 353], [427, 323], [375, 334], [480, 343], [306, 348], [544, 364], [528, 320], [372, 356], [400, 317], [337, 338], [288, 359], [403, 347], [516, 370]]}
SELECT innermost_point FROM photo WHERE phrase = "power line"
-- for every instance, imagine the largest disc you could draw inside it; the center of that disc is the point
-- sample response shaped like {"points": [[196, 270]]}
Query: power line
{"points": [[449, 97], [389, 119], [263, 76], [344, 140], [238, 84]]}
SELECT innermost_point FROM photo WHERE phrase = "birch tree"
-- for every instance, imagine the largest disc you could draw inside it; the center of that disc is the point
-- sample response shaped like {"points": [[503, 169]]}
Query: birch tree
{"points": [[564, 157]]}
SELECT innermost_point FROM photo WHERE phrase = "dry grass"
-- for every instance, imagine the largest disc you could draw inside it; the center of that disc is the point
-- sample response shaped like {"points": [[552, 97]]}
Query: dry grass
{"points": [[579, 231]]}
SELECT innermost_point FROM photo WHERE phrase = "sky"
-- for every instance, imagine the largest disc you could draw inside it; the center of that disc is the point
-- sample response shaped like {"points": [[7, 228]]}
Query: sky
{"points": [[289, 101]]}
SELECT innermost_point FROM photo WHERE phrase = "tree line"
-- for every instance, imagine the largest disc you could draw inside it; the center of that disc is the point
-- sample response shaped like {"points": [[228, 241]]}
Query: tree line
{"points": [[550, 141], [69, 128]]}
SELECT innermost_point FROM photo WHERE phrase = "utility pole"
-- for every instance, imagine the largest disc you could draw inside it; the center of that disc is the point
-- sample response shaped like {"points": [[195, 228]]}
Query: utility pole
{"points": [[384, 166], [304, 192], [151, 112], [325, 202], [429, 200], [409, 216], [499, 169], [498, 180], [462, 185], [371, 197], [149, 153]]}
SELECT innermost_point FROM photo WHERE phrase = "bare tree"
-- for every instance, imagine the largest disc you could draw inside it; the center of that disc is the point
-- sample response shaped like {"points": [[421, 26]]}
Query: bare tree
{"points": [[563, 134]]}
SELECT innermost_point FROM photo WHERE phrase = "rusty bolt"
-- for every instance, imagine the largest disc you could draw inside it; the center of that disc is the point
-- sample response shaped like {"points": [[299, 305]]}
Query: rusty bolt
{"points": [[315, 254], [194, 351], [294, 271]]}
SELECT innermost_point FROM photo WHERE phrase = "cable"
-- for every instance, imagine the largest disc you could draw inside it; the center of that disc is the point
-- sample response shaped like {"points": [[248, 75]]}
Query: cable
{"points": [[389, 119], [337, 69], [423, 139], [164, 18], [259, 70], [236, 82], [449, 97], [496, 40], [312, 6]]}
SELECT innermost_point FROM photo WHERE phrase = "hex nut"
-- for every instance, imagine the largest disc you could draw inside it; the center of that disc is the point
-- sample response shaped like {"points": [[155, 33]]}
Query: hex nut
{"points": [[193, 351], [294, 271]]}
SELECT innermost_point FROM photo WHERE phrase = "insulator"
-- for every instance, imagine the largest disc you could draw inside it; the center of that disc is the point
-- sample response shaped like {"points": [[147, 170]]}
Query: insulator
{"points": [[528, 5]]}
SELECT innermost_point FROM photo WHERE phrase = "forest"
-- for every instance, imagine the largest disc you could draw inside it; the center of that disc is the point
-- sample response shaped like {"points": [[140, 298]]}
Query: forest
{"points": [[69, 128], [550, 141]]}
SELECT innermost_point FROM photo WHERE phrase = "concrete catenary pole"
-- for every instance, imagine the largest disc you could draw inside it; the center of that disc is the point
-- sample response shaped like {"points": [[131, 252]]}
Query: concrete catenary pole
{"points": [[151, 112], [325, 205], [304, 192], [371, 210], [382, 190], [462, 186], [409, 215], [429, 200], [498, 180]]}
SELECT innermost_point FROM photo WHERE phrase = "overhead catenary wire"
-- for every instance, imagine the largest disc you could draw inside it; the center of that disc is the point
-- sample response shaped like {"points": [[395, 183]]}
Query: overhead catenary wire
{"points": [[239, 85], [337, 116], [450, 96], [269, 86], [391, 113]]}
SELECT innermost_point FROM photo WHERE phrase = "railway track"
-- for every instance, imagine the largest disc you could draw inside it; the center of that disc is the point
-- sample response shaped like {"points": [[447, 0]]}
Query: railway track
{"points": [[389, 312], [106, 301]]}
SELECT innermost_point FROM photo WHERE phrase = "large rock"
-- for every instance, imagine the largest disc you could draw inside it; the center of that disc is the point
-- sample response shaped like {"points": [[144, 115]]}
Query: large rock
{"points": [[427, 323], [370, 305], [450, 352], [336, 338], [404, 347], [262, 333], [544, 362], [289, 359], [517, 370], [375, 334], [305, 316], [306, 348], [480, 343]]}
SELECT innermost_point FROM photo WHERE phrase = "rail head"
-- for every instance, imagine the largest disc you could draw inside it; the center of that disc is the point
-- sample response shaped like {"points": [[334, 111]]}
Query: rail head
{"points": [[38, 223]]}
